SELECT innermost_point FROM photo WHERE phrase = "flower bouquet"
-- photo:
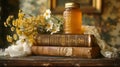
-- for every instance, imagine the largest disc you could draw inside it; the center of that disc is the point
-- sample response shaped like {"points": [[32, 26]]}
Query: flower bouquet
{"points": [[29, 26], [25, 28]]}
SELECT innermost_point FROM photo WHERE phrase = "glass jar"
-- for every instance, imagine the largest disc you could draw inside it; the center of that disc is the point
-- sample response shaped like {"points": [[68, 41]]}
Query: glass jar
{"points": [[72, 18]]}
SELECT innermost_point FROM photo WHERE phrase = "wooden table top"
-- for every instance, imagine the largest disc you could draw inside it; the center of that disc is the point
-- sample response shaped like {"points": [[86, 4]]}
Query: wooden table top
{"points": [[57, 61]]}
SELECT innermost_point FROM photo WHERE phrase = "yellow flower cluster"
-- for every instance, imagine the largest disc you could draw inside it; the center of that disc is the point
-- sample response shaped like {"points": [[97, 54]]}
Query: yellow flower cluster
{"points": [[29, 26], [21, 26]]}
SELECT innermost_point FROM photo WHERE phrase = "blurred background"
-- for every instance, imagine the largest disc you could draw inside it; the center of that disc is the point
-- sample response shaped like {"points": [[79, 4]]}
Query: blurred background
{"points": [[107, 22]]}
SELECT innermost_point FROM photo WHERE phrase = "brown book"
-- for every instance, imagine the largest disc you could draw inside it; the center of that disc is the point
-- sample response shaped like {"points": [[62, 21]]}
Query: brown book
{"points": [[82, 52], [66, 40]]}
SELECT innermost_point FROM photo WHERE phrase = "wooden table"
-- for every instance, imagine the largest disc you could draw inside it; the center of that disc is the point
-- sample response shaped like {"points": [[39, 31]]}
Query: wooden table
{"points": [[57, 61]]}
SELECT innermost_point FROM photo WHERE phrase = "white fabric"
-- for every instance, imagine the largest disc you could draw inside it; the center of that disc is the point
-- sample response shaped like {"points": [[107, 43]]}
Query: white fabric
{"points": [[106, 50], [20, 48]]}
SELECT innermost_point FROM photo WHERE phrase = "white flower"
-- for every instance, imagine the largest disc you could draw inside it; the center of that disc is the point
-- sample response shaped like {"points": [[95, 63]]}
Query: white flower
{"points": [[49, 25], [47, 14], [55, 29]]}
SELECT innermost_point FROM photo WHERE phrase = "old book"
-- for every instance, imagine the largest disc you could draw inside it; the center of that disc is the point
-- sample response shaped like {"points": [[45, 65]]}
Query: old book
{"points": [[82, 52], [84, 40]]}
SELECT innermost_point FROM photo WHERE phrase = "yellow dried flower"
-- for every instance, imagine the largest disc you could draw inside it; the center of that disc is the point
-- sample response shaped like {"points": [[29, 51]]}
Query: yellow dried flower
{"points": [[15, 36], [14, 23], [21, 15], [8, 19], [23, 40], [18, 31], [31, 39], [12, 28], [5, 24], [9, 38], [35, 29]]}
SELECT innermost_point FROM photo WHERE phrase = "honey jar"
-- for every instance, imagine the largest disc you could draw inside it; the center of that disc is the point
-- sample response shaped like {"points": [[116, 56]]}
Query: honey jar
{"points": [[72, 18]]}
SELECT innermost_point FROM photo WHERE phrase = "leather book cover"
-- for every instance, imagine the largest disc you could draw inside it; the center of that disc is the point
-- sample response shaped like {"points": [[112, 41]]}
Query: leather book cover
{"points": [[82, 52], [66, 40]]}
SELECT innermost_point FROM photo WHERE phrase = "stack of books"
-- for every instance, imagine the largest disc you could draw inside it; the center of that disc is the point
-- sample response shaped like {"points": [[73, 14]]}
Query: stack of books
{"points": [[83, 46]]}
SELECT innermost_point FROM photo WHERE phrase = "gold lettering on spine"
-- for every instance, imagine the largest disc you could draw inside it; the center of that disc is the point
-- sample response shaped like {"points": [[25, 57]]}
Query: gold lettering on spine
{"points": [[80, 41], [67, 40], [76, 40], [51, 40], [58, 40], [73, 40], [39, 39], [62, 40], [46, 40]]}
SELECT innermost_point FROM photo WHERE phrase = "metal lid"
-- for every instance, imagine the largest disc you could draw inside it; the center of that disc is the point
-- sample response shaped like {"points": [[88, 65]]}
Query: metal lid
{"points": [[72, 4]]}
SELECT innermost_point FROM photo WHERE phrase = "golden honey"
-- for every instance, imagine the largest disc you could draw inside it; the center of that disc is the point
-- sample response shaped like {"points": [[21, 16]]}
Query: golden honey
{"points": [[73, 18]]}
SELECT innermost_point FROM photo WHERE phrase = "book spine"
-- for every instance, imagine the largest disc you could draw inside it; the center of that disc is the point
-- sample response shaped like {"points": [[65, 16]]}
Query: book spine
{"points": [[66, 40], [82, 52]]}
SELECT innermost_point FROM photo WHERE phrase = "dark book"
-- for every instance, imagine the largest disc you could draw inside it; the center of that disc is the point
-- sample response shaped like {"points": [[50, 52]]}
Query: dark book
{"points": [[66, 40], [82, 52]]}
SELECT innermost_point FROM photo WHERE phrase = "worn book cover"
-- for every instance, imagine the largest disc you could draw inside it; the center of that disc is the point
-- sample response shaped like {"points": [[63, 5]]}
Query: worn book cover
{"points": [[82, 52], [67, 40]]}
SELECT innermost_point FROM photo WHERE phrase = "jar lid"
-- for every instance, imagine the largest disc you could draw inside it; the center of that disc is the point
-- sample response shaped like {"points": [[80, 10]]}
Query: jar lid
{"points": [[72, 4]]}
